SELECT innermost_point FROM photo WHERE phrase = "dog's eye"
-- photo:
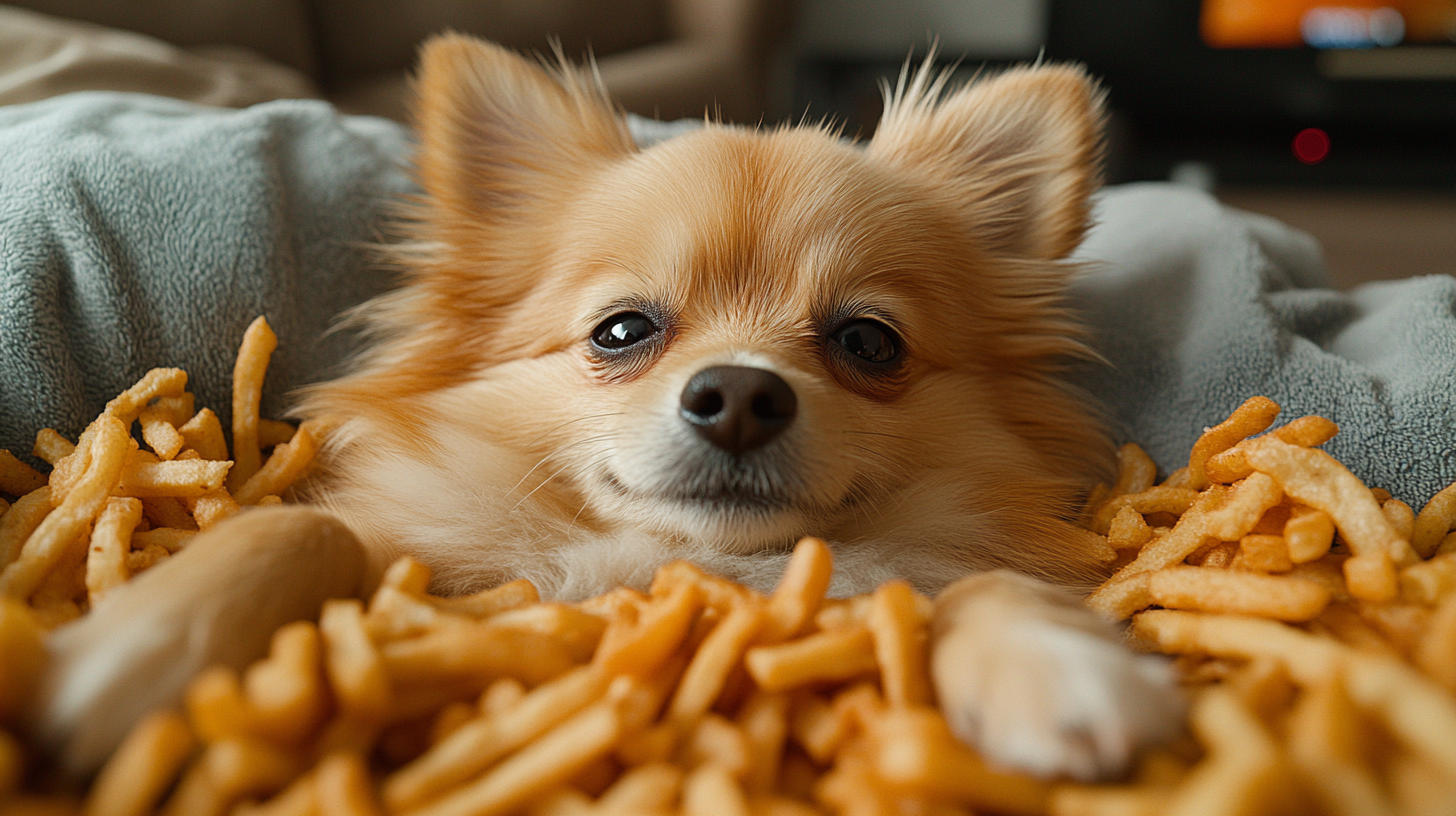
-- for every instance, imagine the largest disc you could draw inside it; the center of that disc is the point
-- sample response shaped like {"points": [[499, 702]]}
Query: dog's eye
{"points": [[868, 340], [622, 330]]}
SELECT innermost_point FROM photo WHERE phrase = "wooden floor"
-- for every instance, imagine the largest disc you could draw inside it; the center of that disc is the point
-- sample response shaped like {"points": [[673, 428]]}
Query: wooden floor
{"points": [[1367, 235]]}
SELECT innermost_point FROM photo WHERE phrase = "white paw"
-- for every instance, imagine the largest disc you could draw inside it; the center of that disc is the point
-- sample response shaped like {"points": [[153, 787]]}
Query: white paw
{"points": [[1055, 699]]}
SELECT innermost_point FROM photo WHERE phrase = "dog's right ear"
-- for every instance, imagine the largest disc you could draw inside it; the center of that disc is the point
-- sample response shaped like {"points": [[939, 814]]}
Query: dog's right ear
{"points": [[496, 129]]}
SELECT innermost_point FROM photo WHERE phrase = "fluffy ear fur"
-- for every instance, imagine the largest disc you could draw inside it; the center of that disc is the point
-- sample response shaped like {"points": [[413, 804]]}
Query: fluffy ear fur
{"points": [[495, 128], [1019, 151]]}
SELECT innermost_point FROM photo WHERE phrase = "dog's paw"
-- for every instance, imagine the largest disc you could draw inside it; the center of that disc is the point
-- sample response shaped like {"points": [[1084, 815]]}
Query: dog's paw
{"points": [[1050, 690]]}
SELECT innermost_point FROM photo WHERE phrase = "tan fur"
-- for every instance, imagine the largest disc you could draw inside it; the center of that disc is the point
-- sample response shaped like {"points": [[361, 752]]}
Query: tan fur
{"points": [[479, 435]]}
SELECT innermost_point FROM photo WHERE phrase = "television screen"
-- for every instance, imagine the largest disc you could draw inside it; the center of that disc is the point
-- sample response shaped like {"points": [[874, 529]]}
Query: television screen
{"points": [[1323, 24]]}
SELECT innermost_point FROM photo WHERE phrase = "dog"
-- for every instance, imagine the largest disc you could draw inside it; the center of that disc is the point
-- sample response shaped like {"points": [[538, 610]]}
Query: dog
{"points": [[603, 359]]}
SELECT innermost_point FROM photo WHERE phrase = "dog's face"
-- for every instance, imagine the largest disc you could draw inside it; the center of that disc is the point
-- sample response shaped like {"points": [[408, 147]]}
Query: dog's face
{"points": [[733, 339]]}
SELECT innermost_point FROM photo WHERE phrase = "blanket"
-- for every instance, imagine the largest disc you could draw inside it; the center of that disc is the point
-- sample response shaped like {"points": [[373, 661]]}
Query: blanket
{"points": [[138, 232]]}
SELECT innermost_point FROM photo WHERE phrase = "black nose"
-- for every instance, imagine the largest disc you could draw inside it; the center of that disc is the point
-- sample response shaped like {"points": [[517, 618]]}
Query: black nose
{"points": [[738, 408]]}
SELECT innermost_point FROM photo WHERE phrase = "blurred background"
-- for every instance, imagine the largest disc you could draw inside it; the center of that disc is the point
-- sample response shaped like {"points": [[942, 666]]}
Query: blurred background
{"points": [[1336, 116]]}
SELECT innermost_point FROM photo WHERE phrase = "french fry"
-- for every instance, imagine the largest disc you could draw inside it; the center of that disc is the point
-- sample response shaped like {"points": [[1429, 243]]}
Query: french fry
{"points": [[1242, 508], [51, 446], [203, 433], [1159, 499], [478, 744], [1436, 653], [286, 692], [640, 644], [1316, 479], [1436, 519], [16, 477], [483, 604], [764, 721], [837, 655], [272, 433], [1128, 530], [1126, 592], [139, 561], [1412, 707], [213, 507], [899, 634], [188, 479], [160, 434], [257, 347], [1327, 744], [716, 741], [23, 645], [353, 665], [711, 791], [715, 658], [800, 592], [1308, 534], [549, 761], [159, 382], [106, 564], [1238, 593], [1246, 773], [477, 650], [1263, 553], [915, 750], [1401, 517], [139, 773], [1428, 582], [649, 788], [168, 538], [1136, 471], [283, 468], [165, 511], [1254, 416], [69, 521], [20, 521], [344, 786]]}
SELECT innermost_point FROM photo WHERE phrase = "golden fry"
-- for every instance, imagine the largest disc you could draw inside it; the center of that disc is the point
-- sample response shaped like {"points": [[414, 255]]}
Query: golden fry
{"points": [[139, 773], [106, 564], [159, 382], [68, 522], [1238, 593], [1254, 416], [837, 655], [257, 347], [283, 468], [1436, 519], [355, 669], [203, 433], [1308, 534], [1316, 479], [20, 521], [16, 477], [51, 446], [188, 479], [800, 592], [716, 657], [160, 434], [899, 634]]}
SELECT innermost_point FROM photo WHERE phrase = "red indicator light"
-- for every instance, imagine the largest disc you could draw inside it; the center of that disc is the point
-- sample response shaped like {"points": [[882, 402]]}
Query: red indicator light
{"points": [[1311, 145]]}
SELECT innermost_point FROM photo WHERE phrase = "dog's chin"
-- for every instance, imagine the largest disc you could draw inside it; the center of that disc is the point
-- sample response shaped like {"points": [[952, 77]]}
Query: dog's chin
{"points": [[727, 518]]}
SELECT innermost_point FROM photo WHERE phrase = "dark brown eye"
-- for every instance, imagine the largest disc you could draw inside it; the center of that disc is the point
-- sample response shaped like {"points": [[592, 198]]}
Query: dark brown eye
{"points": [[868, 340], [622, 330]]}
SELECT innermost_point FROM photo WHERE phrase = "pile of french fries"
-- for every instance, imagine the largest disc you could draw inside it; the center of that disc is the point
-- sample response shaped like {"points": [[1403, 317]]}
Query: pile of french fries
{"points": [[1313, 621], [112, 508]]}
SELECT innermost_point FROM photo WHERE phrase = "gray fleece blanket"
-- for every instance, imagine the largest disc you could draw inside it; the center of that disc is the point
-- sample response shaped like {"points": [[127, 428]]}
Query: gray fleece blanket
{"points": [[139, 232]]}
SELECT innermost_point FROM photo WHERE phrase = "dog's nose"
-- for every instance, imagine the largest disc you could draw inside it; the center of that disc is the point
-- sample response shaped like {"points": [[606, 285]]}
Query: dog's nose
{"points": [[738, 408]]}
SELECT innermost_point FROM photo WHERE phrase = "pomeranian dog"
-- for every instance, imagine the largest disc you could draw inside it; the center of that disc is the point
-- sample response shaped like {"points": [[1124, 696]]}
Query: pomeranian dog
{"points": [[604, 358]]}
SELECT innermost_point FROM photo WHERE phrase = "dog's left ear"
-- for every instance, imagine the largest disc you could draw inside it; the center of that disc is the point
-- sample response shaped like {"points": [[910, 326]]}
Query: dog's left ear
{"points": [[1020, 151]]}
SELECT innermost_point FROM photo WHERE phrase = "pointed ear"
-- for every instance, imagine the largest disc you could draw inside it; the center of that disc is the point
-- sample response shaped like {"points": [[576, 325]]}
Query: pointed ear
{"points": [[495, 129], [1021, 151]]}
